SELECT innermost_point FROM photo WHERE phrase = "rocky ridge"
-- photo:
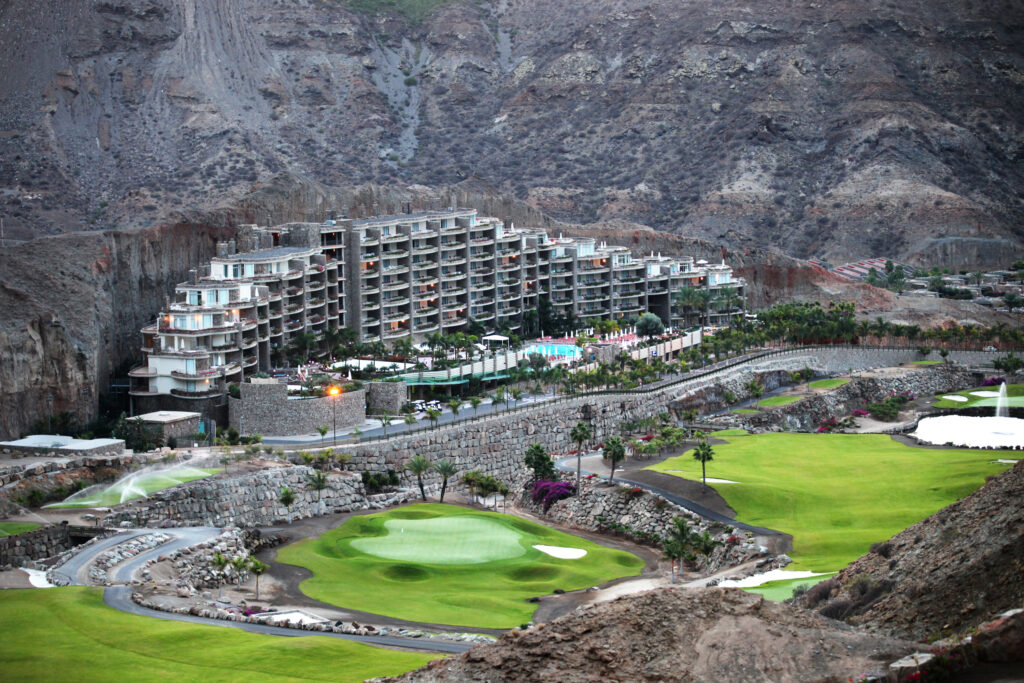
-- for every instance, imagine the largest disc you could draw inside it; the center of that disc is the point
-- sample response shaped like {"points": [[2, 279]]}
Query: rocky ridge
{"points": [[841, 130]]}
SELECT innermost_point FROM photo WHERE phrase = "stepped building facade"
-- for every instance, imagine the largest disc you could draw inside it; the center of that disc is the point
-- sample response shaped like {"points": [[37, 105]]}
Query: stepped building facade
{"points": [[390, 277]]}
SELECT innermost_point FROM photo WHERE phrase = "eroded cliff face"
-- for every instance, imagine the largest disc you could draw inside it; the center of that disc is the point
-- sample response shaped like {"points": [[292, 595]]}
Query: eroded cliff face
{"points": [[72, 306], [837, 130]]}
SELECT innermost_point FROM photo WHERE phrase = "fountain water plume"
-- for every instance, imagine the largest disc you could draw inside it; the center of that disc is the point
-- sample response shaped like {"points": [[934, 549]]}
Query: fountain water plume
{"points": [[1002, 402], [133, 485]]}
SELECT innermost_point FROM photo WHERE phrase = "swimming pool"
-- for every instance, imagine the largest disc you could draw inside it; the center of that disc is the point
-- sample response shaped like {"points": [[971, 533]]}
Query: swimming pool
{"points": [[551, 350]]}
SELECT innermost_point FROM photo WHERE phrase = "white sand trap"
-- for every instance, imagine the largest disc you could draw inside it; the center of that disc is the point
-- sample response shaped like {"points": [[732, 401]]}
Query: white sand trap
{"points": [[561, 552], [976, 432], [37, 578], [294, 615], [1004, 461], [773, 575], [956, 397], [985, 394], [712, 480]]}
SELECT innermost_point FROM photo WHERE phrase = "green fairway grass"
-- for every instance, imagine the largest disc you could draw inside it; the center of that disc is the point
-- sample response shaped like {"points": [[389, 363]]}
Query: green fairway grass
{"points": [[783, 589], [779, 400], [12, 528], [828, 383], [837, 493], [730, 432], [1014, 394], [69, 634], [150, 484], [926, 362], [444, 564], [746, 411]]}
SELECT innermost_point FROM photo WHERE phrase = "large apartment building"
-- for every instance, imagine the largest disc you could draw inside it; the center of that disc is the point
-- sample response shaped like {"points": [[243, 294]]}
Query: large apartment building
{"points": [[394, 276]]}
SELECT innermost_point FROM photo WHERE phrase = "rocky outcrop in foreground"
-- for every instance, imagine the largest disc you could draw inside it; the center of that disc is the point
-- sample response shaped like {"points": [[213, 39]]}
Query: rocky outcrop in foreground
{"points": [[952, 571], [720, 634]]}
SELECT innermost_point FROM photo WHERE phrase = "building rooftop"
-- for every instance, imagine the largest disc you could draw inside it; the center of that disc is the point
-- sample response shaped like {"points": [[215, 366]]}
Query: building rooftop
{"points": [[261, 254], [166, 416], [408, 217], [60, 442]]}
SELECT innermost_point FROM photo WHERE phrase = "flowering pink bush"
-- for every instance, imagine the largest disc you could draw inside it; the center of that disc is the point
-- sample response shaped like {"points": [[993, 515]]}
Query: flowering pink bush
{"points": [[547, 493], [859, 413]]}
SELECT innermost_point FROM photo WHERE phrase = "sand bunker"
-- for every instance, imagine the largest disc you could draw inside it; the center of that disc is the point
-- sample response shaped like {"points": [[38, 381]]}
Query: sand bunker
{"points": [[773, 575], [713, 480], [561, 552], [977, 432], [985, 394], [956, 397]]}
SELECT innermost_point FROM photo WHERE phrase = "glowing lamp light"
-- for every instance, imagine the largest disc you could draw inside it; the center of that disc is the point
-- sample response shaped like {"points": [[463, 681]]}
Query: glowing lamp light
{"points": [[334, 391]]}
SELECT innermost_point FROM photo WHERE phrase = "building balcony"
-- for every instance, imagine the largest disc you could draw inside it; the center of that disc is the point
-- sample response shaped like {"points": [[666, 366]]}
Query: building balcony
{"points": [[560, 259], [391, 239], [483, 302], [482, 241], [315, 285], [424, 312], [394, 254], [506, 267], [561, 300], [480, 286], [511, 282], [595, 283], [508, 297], [393, 286], [507, 253], [293, 326], [370, 290], [369, 241], [249, 361], [370, 272], [398, 301], [561, 288], [457, 261], [205, 393], [398, 317], [483, 315], [510, 237], [142, 371], [429, 249], [453, 291], [426, 327], [424, 296], [452, 321], [657, 290], [481, 257], [371, 322], [452, 276], [396, 270], [396, 333], [292, 274], [483, 271]]}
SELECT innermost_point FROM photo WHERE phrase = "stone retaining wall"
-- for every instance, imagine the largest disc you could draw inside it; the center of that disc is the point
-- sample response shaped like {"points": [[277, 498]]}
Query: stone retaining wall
{"points": [[249, 500], [386, 398], [21, 550], [105, 450], [17, 480], [265, 408]]}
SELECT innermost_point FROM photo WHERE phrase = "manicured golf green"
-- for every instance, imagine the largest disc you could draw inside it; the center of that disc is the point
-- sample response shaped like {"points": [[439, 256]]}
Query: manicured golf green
{"points": [[444, 564], [12, 528], [746, 411], [837, 493], [1014, 396], [779, 400], [69, 634], [730, 432], [828, 383], [149, 484]]}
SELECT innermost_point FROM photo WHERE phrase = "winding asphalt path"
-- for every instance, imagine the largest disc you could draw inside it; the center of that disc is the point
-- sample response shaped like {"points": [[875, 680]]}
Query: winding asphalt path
{"points": [[119, 596], [568, 465]]}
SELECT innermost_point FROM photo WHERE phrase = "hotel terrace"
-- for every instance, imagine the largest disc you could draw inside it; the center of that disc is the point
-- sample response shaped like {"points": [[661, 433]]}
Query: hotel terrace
{"points": [[391, 277]]}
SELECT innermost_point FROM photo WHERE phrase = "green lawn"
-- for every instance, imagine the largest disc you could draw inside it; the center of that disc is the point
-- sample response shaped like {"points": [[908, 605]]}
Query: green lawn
{"points": [[746, 411], [1014, 393], [837, 493], [783, 589], [926, 362], [12, 528], [448, 565], [779, 401], [148, 484], [828, 383], [69, 634]]}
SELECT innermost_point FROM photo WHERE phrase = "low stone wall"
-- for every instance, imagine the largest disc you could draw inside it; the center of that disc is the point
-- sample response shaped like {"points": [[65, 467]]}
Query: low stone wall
{"points": [[105, 450], [646, 516], [265, 408], [386, 398], [249, 500], [17, 481], [21, 550]]}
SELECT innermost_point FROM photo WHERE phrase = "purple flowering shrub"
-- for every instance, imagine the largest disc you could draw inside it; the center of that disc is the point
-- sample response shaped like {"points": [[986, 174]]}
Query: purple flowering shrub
{"points": [[993, 381], [547, 493]]}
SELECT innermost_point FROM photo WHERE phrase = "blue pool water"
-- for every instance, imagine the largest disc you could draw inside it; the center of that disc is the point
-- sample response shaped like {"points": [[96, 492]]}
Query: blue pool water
{"points": [[549, 350]]}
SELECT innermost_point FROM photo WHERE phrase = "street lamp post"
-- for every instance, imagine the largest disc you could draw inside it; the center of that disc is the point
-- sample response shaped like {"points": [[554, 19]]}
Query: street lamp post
{"points": [[334, 391]]}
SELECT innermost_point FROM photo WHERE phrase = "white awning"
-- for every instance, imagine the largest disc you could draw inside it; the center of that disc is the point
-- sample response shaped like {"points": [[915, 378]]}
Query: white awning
{"points": [[494, 338]]}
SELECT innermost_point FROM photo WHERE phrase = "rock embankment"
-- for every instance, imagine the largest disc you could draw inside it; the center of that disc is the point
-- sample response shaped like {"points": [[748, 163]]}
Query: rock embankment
{"points": [[948, 573], [718, 634]]}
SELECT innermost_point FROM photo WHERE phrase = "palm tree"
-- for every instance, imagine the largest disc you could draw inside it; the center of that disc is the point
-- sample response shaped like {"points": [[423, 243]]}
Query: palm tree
{"points": [[409, 419], [433, 415], [538, 460], [475, 401], [287, 498], [688, 417], [580, 434], [419, 465], [755, 389], [322, 429], [614, 452], [455, 404], [678, 543], [446, 469], [258, 568], [318, 482], [704, 454], [240, 564], [704, 544], [385, 421], [220, 563]]}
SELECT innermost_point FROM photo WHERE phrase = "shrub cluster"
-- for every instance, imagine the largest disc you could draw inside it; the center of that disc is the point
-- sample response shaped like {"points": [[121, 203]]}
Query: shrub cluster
{"points": [[375, 482], [547, 493]]}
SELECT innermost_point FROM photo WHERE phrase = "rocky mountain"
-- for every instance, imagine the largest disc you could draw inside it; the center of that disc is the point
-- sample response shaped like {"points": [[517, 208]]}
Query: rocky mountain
{"points": [[714, 634], [945, 574], [838, 130]]}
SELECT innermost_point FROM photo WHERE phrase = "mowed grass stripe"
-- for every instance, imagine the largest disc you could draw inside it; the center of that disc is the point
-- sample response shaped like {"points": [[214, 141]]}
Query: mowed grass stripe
{"points": [[69, 634], [479, 590], [837, 493]]}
